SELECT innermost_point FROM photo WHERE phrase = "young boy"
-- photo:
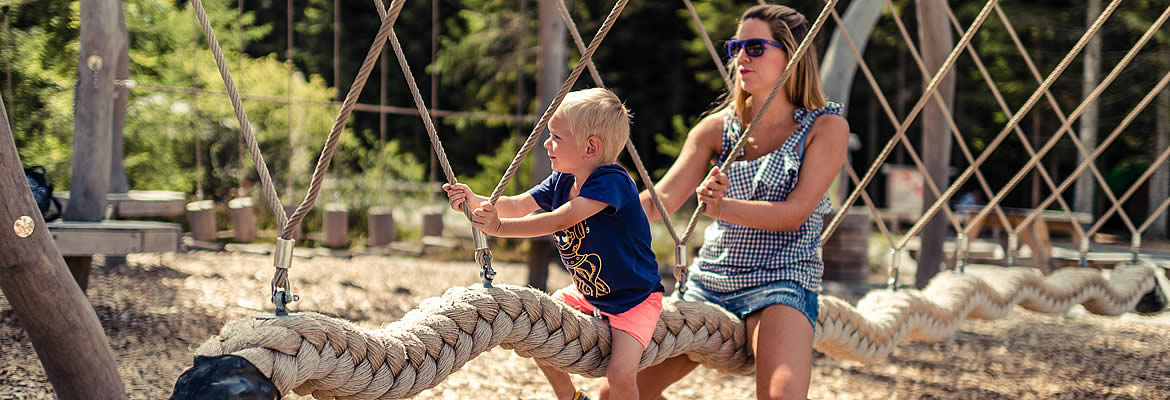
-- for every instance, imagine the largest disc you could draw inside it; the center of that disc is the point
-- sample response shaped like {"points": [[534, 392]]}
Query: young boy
{"points": [[601, 231]]}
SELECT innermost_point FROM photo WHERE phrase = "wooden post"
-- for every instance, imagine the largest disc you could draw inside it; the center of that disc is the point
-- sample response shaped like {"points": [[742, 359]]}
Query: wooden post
{"points": [[432, 224], [55, 313], [1084, 189], [553, 71], [934, 33], [243, 219], [335, 226], [201, 217], [1160, 182], [382, 229]]}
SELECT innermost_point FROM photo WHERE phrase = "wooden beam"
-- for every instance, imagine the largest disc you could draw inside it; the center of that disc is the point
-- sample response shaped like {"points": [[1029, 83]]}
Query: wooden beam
{"points": [[63, 327], [934, 34]]}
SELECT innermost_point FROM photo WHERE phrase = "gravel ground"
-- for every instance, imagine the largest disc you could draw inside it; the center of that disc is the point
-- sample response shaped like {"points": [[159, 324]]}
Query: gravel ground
{"points": [[160, 307]]}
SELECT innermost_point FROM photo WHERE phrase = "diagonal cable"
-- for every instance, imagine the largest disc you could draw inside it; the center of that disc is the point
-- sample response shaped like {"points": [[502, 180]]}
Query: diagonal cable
{"points": [[893, 120], [629, 142], [1084, 104], [556, 102], [888, 149], [707, 42], [1019, 132], [1060, 116], [946, 113]]}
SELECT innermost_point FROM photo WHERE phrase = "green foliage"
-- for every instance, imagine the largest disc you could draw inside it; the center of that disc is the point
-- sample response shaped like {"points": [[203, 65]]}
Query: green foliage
{"points": [[492, 170]]}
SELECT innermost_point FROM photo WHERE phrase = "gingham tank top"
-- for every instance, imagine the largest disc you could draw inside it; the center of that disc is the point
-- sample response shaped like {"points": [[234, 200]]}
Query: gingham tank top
{"points": [[735, 257]]}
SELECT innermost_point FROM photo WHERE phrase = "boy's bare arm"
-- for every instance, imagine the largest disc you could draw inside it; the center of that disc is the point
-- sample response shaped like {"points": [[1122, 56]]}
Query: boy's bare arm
{"points": [[516, 206], [487, 219]]}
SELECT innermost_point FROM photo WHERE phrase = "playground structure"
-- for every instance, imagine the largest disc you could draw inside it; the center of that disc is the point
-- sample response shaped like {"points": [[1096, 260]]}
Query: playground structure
{"points": [[1120, 294]]}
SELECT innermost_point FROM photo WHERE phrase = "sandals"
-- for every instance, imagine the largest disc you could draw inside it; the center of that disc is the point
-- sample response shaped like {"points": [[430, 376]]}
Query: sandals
{"points": [[580, 396]]}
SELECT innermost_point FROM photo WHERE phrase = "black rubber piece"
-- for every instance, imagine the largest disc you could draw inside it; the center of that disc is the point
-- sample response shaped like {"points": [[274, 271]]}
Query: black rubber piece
{"points": [[223, 378]]}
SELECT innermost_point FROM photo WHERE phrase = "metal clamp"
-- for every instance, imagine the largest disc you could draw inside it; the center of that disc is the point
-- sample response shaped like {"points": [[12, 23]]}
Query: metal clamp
{"points": [[281, 288], [893, 271], [1135, 245], [1084, 251], [484, 258], [680, 268], [961, 250], [1013, 248]]}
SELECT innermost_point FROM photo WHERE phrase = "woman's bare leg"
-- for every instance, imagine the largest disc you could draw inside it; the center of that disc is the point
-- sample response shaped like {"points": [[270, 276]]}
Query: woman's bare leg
{"points": [[654, 380], [781, 340]]}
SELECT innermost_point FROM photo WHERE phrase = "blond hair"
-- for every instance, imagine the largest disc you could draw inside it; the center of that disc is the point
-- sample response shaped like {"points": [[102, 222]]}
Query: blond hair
{"points": [[803, 87], [597, 112]]}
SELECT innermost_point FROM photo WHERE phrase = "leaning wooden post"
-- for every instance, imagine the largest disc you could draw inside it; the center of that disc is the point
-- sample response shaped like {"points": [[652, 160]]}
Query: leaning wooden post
{"points": [[59, 320]]}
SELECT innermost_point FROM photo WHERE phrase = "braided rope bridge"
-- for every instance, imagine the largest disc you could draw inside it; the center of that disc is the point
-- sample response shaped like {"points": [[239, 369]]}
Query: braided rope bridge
{"points": [[328, 357]]}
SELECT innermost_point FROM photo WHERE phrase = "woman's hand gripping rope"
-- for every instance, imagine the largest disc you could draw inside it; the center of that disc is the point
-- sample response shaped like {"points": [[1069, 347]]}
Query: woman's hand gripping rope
{"points": [[711, 192]]}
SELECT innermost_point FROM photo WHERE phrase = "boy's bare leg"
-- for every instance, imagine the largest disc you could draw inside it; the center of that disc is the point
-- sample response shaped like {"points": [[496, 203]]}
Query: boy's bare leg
{"points": [[622, 373], [654, 380], [561, 383]]}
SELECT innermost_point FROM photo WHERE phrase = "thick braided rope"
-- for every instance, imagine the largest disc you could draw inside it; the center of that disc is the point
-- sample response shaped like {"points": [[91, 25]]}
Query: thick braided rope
{"points": [[328, 357], [884, 319], [556, 102], [739, 145], [629, 142]]}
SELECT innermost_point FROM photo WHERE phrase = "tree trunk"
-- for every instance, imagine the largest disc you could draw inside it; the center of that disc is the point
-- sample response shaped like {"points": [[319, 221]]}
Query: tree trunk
{"points": [[934, 34], [553, 71], [1160, 182], [63, 327], [1083, 200]]}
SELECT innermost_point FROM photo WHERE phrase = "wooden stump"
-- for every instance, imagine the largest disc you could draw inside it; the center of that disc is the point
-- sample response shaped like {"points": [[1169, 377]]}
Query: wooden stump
{"points": [[243, 219], [335, 226], [201, 217], [846, 253], [382, 229], [432, 224]]}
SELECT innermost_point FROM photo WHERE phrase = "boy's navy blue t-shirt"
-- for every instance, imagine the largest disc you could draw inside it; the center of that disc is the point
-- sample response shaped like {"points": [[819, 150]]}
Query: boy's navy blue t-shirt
{"points": [[608, 254]]}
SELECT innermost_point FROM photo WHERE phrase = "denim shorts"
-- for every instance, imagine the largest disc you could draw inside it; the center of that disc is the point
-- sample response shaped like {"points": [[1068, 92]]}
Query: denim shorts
{"points": [[743, 302]]}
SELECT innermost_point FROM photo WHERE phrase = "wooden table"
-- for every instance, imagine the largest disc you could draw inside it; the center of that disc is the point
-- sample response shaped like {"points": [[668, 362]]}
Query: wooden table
{"points": [[1036, 234]]}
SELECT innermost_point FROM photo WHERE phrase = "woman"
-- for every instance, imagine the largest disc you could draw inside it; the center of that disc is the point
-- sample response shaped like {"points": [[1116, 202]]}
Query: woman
{"points": [[760, 259]]}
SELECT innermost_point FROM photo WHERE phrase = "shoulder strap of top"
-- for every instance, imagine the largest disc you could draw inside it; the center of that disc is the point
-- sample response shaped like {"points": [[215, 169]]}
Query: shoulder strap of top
{"points": [[808, 117]]}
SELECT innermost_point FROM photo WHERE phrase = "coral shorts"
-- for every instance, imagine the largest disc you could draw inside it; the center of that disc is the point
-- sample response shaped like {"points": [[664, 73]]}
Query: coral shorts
{"points": [[639, 321]]}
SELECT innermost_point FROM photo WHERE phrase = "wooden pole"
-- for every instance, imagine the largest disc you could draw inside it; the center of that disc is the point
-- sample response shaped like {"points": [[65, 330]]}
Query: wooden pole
{"points": [[934, 33], [93, 119], [121, 65], [63, 327], [1084, 189], [553, 71], [1160, 183]]}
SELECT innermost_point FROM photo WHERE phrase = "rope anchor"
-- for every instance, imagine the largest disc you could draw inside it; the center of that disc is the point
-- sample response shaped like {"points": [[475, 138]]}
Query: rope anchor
{"points": [[281, 288]]}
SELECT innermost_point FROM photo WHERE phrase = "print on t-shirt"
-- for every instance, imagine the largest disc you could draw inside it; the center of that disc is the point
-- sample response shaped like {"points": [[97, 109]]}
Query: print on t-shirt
{"points": [[585, 268]]}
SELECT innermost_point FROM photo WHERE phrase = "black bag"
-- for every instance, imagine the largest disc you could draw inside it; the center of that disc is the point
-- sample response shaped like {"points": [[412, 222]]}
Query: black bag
{"points": [[42, 191]]}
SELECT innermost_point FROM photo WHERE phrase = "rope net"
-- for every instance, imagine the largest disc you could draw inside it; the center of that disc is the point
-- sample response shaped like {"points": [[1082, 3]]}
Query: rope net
{"points": [[327, 357]]}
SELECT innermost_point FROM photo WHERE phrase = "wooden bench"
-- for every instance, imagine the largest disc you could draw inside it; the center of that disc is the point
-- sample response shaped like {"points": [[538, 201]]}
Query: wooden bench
{"points": [[77, 241], [140, 203], [1037, 235]]}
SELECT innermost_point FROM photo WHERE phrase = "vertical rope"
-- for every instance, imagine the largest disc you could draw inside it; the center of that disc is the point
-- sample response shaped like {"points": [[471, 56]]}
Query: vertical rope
{"points": [[707, 42]]}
